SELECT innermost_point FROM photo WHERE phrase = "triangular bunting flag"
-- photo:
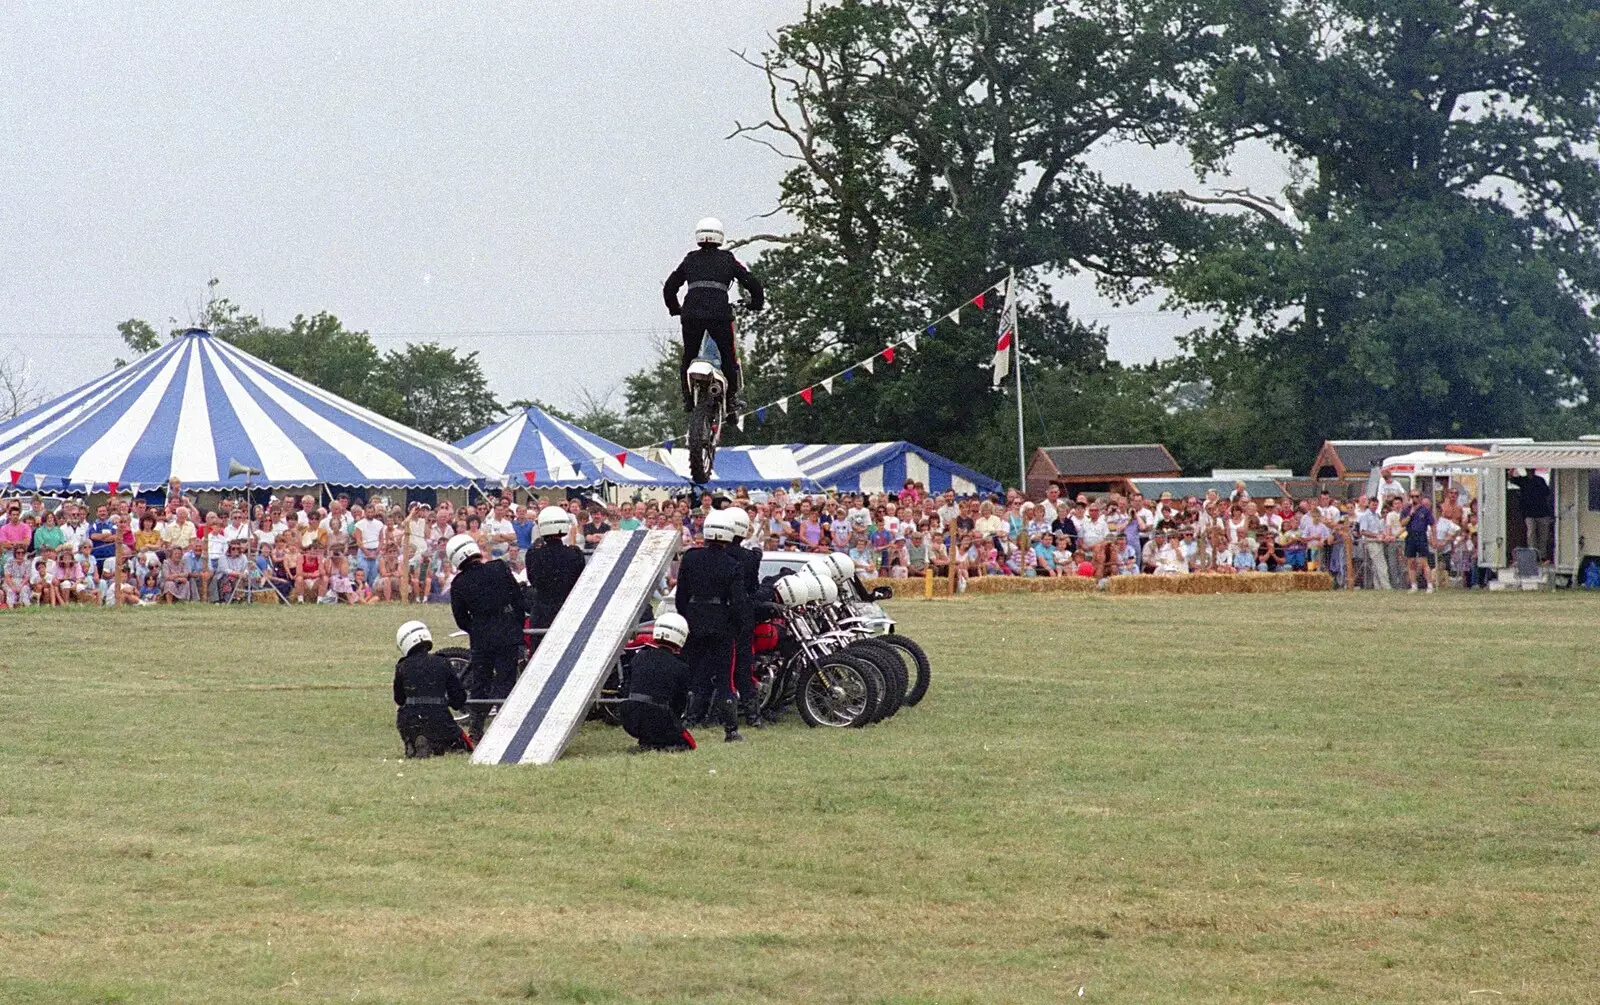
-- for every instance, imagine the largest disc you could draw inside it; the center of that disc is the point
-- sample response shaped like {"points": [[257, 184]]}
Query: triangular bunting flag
{"points": [[666, 444], [16, 476], [888, 354], [38, 481], [761, 416], [955, 315], [977, 301], [827, 385], [66, 484], [740, 423], [530, 476], [807, 394], [849, 374], [622, 458], [911, 341], [133, 487], [112, 487], [783, 403], [866, 365]]}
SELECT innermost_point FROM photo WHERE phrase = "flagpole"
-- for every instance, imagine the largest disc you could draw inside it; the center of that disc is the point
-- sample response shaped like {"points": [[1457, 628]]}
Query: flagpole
{"points": [[1016, 349]]}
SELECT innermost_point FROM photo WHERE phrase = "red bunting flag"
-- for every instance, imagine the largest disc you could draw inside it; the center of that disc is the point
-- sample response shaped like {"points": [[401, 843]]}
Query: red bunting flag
{"points": [[16, 476], [622, 457], [112, 487], [529, 476], [977, 301], [805, 395], [888, 354]]}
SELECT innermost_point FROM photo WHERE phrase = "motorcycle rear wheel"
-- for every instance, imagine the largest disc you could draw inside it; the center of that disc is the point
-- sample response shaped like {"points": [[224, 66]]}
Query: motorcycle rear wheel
{"points": [[703, 438]]}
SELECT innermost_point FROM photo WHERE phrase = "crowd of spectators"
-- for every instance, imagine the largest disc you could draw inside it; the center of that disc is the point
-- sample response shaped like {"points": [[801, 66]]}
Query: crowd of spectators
{"points": [[131, 551]]}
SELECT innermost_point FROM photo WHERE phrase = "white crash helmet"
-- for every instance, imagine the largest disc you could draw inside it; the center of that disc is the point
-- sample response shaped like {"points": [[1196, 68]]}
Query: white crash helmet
{"points": [[718, 526], [671, 629], [740, 520], [836, 566], [554, 520], [827, 589], [795, 590], [460, 548], [410, 635], [708, 231]]}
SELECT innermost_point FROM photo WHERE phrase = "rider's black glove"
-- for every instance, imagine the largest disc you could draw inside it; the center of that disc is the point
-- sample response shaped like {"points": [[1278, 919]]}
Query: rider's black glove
{"points": [[675, 311]]}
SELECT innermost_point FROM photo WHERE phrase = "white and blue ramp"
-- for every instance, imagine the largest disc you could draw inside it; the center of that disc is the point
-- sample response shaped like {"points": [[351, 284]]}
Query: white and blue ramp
{"points": [[561, 682]]}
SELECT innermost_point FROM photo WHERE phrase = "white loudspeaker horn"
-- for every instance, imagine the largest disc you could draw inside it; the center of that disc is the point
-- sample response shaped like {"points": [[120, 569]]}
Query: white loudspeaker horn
{"points": [[235, 469]]}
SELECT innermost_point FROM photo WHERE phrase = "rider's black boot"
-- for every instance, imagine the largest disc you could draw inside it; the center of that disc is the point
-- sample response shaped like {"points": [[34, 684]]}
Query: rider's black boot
{"points": [[730, 721], [694, 714], [750, 709]]}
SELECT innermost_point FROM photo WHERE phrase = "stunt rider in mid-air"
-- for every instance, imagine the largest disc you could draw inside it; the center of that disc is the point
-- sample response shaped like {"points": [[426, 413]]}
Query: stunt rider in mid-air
{"points": [[710, 272]]}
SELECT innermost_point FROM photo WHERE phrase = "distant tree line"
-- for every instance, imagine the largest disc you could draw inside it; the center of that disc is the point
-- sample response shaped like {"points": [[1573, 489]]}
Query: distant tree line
{"points": [[428, 387]]}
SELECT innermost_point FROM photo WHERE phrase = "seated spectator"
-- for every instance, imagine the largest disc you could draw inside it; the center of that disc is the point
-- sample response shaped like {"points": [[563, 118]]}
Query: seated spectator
{"points": [[174, 576], [150, 589], [230, 573], [341, 584]]}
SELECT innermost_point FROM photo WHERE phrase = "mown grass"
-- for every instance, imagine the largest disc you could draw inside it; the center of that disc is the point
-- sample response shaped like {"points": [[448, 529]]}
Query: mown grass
{"points": [[1238, 798]]}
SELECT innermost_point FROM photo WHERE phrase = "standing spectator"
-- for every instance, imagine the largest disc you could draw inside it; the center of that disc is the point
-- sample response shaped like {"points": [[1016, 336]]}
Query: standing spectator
{"points": [[627, 519], [498, 531], [595, 527], [1419, 523], [1374, 534], [369, 535]]}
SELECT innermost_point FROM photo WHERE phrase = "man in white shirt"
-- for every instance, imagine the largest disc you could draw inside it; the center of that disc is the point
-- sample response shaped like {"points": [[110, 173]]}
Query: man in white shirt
{"points": [[500, 531], [74, 528], [1052, 504], [1093, 529], [180, 531], [367, 533], [948, 510], [1373, 536]]}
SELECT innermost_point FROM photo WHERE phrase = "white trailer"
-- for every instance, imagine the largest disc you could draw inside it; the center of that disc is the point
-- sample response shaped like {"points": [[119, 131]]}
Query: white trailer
{"points": [[1573, 469]]}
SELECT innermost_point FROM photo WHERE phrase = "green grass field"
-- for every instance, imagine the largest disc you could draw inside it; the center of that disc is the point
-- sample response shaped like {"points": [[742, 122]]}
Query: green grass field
{"points": [[1246, 798]]}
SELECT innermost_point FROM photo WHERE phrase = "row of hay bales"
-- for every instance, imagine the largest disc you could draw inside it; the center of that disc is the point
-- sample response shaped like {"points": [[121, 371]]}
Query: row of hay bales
{"points": [[1189, 585]]}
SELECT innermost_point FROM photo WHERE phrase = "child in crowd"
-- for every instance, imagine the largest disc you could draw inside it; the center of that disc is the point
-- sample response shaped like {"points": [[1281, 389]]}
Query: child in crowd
{"points": [[341, 586], [150, 589]]}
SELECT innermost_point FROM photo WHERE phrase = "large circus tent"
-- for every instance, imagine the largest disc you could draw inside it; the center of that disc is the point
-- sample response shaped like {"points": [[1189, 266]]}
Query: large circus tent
{"points": [[198, 403], [532, 448]]}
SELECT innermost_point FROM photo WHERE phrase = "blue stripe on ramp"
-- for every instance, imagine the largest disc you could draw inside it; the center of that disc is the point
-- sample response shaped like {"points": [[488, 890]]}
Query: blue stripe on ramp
{"points": [[569, 659]]}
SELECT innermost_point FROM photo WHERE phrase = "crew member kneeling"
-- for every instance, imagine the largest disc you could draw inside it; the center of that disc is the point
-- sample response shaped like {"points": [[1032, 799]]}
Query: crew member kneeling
{"points": [[489, 604], [426, 689], [658, 687], [712, 600]]}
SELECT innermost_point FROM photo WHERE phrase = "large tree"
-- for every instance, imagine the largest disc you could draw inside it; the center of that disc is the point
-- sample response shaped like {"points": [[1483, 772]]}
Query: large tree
{"points": [[935, 144], [1432, 269]]}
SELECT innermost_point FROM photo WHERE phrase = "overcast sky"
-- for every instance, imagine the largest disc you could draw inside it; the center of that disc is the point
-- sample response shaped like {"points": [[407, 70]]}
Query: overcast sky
{"points": [[448, 172]]}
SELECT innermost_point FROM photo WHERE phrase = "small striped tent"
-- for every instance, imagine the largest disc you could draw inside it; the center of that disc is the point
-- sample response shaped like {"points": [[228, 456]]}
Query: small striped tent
{"points": [[885, 467], [188, 408], [533, 448], [748, 467]]}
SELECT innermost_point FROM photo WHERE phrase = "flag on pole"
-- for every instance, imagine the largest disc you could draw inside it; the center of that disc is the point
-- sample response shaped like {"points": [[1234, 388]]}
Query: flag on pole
{"points": [[1008, 328]]}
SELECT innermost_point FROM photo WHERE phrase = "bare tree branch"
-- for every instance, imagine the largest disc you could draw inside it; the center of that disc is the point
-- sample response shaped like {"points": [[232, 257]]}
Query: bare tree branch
{"points": [[20, 389], [1266, 206]]}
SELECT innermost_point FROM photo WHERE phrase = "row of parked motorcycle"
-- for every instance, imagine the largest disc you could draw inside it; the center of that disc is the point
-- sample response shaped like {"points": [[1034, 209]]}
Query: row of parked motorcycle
{"points": [[825, 649]]}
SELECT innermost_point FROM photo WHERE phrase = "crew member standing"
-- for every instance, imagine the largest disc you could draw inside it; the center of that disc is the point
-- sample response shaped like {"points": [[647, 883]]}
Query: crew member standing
{"points": [[710, 273], [658, 687], [744, 643], [712, 600], [426, 689], [553, 566], [489, 605]]}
